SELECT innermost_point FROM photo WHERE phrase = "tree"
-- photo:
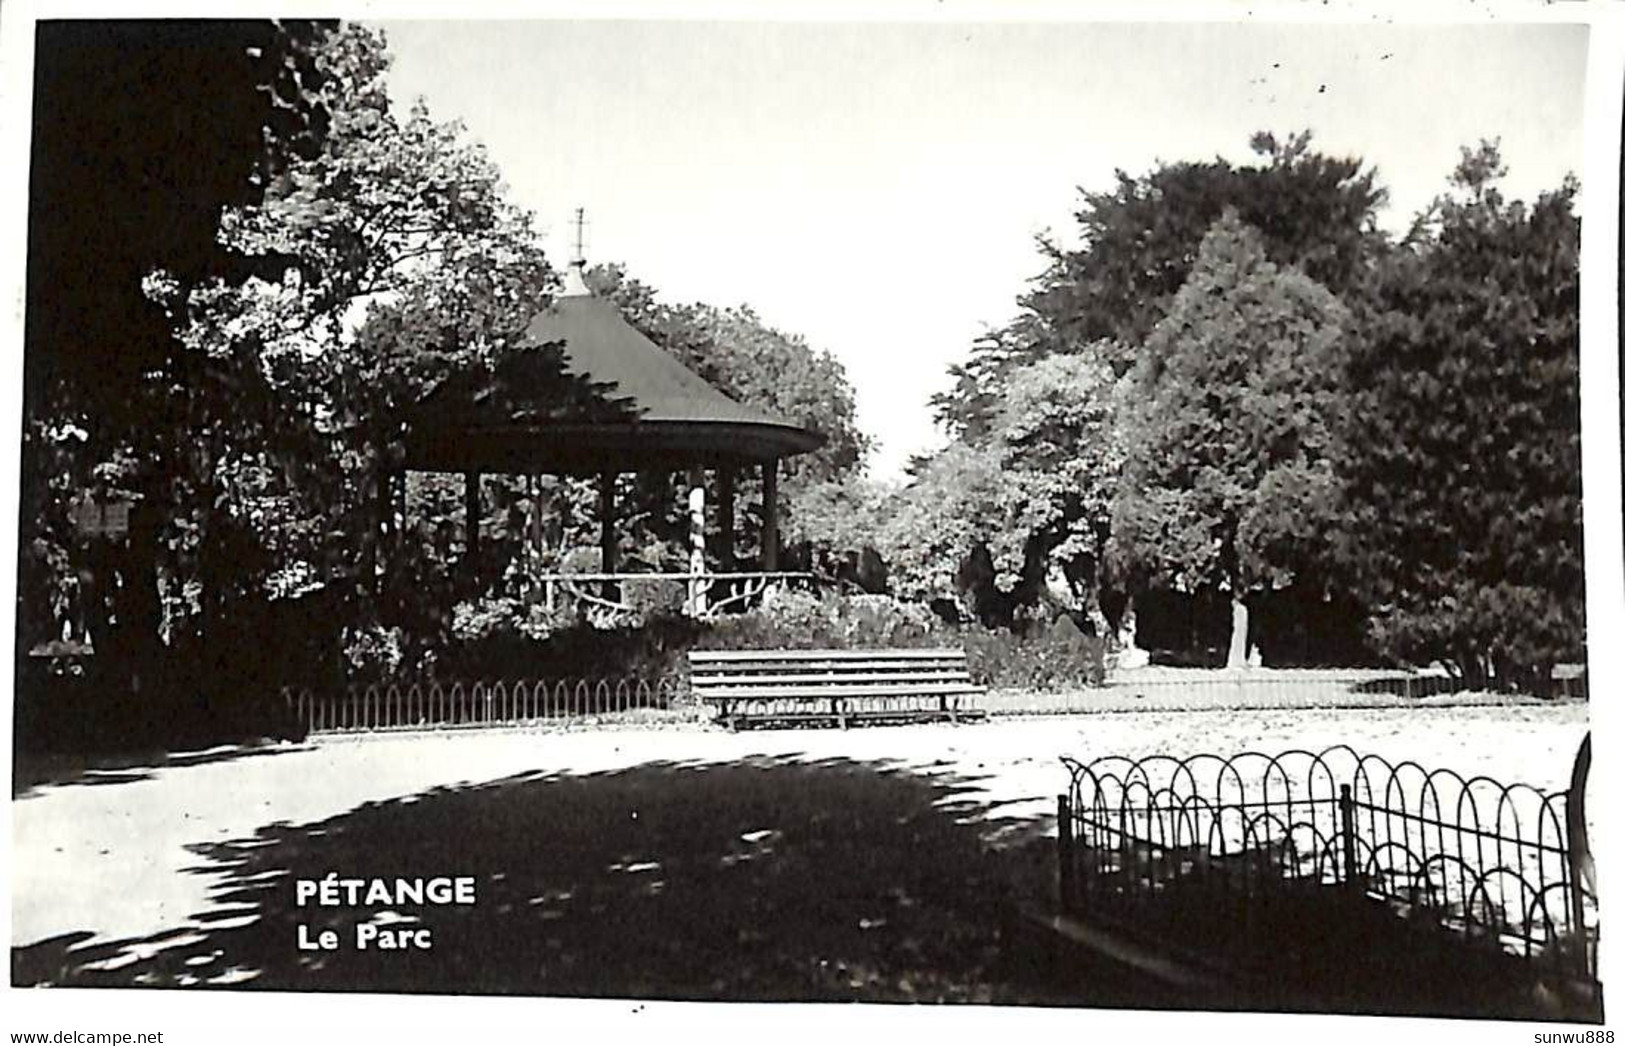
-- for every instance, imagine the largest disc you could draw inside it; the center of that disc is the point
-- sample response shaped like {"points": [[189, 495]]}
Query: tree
{"points": [[1100, 301], [1058, 443], [1138, 242], [1033, 492], [125, 178], [1229, 480], [379, 265], [1464, 530], [933, 531], [754, 363], [836, 525]]}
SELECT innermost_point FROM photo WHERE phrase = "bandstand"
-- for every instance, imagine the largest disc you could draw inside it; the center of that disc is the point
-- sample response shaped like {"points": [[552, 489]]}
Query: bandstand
{"points": [[654, 416]]}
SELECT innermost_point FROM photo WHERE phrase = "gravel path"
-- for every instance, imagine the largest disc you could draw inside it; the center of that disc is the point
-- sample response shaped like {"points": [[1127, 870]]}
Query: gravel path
{"points": [[134, 855]]}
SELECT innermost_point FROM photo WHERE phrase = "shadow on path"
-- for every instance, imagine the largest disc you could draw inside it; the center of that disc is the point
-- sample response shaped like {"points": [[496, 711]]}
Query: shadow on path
{"points": [[765, 879], [32, 771]]}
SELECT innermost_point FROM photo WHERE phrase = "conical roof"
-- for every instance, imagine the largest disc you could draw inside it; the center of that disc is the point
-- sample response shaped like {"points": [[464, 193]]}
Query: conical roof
{"points": [[601, 346], [663, 416]]}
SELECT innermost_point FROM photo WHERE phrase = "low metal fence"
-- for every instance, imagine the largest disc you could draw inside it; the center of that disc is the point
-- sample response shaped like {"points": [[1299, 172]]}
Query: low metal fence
{"points": [[1495, 863], [421, 705], [1182, 689]]}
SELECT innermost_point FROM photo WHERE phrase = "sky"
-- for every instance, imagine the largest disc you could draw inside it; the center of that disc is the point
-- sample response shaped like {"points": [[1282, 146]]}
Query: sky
{"points": [[878, 188]]}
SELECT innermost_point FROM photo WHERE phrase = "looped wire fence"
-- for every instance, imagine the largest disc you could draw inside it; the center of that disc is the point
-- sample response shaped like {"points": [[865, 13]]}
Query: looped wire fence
{"points": [[452, 703], [1491, 862]]}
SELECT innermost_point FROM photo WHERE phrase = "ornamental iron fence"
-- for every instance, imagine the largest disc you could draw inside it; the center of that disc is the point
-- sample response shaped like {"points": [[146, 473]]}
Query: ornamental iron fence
{"points": [[1199, 848]]}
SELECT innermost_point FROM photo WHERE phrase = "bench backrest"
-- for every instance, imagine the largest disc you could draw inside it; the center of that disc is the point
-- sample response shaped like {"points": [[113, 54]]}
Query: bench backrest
{"points": [[712, 670]]}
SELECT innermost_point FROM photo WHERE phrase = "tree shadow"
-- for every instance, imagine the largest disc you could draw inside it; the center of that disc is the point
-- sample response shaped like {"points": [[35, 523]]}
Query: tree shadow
{"points": [[32, 772], [765, 879]]}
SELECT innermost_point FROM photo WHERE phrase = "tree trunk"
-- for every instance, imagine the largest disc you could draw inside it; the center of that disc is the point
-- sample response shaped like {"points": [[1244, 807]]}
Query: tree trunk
{"points": [[1097, 615], [1238, 630]]}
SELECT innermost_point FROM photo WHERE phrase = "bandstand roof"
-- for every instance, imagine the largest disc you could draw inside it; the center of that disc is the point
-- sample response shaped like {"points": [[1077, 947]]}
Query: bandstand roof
{"points": [[649, 412]]}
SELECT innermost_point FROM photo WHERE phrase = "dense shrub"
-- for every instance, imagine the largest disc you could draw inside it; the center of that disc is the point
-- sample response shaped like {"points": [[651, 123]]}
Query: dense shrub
{"points": [[509, 639], [650, 651], [1038, 659], [374, 651], [654, 597], [789, 620], [489, 616], [1031, 656]]}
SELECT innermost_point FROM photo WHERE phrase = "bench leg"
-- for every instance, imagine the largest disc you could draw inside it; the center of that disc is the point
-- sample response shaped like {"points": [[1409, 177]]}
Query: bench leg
{"points": [[836, 707]]}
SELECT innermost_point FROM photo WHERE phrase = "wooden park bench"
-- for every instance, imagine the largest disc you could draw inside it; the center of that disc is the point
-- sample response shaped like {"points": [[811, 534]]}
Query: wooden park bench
{"points": [[834, 687]]}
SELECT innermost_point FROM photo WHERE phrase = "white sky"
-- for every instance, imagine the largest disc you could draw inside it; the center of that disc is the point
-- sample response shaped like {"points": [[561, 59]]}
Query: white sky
{"points": [[877, 188]]}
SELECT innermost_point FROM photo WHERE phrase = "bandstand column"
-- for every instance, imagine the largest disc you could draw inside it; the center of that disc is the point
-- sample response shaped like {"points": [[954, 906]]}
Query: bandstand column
{"points": [[386, 506], [606, 528], [725, 518], [696, 540], [770, 514], [534, 546], [397, 522], [379, 550], [471, 512]]}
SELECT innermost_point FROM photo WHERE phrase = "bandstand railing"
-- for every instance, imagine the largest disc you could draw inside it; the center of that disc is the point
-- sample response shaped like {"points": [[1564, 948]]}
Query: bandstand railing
{"points": [[698, 594]]}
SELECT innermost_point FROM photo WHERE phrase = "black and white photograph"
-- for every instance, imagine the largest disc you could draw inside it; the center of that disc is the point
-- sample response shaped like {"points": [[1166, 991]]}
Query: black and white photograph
{"points": [[1063, 518]]}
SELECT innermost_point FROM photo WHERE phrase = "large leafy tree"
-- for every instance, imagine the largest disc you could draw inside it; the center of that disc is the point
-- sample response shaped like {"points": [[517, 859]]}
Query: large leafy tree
{"points": [[756, 364], [1137, 245], [143, 131], [1229, 479], [936, 531], [1464, 524], [986, 520], [396, 222], [377, 262], [1138, 241]]}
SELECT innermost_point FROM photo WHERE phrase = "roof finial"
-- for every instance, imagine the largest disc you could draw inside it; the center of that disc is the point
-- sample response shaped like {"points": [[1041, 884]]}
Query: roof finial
{"points": [[575, 281]]}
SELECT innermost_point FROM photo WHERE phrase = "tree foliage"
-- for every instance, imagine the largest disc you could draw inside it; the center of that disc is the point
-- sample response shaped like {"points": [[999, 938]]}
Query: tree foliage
{"points": [[1138, 242], [983, 520], [1301, 403], [1463, 515], [1229, 481], [367, 255], [386, 260], [123, 183], [757, 365]]}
